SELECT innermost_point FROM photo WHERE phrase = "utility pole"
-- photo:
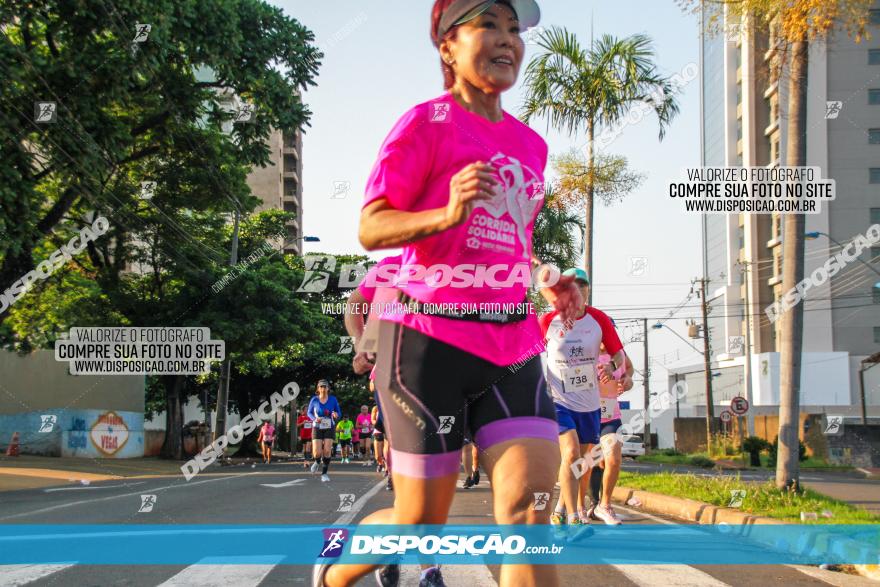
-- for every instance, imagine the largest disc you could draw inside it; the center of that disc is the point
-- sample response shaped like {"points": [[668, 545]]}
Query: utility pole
{"points": [[647, 390], [710, 407], [750, 415], [226, 368]]}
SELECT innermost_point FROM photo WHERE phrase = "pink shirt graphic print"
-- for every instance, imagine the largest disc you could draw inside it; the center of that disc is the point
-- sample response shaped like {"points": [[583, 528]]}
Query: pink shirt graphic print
{"points": [[429, 144]]}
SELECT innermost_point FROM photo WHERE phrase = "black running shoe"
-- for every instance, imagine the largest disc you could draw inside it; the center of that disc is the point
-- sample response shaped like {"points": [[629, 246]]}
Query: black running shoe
{"points": [[388, 576], [433, 578], [389, 485], [467, 482], [476, 478]]}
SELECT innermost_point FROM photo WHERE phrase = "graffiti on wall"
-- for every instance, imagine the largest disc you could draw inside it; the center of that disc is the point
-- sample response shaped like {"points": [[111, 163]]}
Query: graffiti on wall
{"points": [[109, 433]]}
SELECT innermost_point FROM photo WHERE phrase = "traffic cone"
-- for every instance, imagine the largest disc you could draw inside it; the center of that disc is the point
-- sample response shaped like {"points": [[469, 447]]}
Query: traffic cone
{"points": [[12, 449]]}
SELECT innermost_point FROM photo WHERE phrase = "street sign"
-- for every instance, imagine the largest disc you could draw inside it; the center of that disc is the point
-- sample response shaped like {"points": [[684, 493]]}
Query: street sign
{"points": [[726, 416], [739, 405]]}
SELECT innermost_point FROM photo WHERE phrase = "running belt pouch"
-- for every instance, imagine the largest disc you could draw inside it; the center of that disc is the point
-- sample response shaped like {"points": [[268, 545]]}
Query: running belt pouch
{"points": [[369, 342]]}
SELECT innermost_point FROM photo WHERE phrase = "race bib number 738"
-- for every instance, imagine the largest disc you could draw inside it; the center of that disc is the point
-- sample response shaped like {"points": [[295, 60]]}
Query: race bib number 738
{"points": [[579, 379]]}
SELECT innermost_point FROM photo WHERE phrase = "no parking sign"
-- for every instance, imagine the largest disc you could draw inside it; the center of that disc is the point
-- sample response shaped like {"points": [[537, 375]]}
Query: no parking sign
{"points": [[739, 405]]}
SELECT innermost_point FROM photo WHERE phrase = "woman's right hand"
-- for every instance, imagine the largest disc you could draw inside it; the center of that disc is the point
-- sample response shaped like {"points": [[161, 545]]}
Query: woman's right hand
{"points": [[474, 183]]}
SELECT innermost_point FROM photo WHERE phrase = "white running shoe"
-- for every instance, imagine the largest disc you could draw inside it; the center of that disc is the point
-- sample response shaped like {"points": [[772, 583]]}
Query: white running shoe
{"points": [[607, 515], [325, 478], [314, 468]]}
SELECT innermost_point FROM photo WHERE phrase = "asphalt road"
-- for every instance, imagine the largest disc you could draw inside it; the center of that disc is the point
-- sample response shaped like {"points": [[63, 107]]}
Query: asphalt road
{"points": [[284, 493]]}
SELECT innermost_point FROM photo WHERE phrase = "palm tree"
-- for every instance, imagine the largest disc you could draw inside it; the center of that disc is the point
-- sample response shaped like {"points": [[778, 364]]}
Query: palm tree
{"points": [[555, 235], [554, 239], [579, 90]]}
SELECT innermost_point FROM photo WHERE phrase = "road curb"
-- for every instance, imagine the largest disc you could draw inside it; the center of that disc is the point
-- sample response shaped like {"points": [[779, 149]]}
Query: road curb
{"points": [[705, 514]]}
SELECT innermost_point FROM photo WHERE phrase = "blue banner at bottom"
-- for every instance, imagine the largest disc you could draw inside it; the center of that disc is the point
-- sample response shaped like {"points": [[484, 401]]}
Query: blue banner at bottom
{"points": [[451, 544]]}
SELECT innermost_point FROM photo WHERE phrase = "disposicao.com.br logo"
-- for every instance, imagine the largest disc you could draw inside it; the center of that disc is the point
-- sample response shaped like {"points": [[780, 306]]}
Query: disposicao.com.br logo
{"points": [[432, 544]]}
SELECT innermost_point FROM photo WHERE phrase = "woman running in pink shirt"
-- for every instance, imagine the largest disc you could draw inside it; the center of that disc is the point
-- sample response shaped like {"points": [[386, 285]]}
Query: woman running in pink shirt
{"points": [[458, 184]]}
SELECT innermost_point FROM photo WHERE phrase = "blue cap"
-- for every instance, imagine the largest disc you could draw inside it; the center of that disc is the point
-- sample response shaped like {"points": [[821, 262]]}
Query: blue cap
{"points": [[579, 274]]}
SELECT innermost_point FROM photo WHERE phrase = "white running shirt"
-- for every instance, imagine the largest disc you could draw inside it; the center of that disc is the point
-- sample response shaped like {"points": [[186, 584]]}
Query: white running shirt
{"points": [[572, 357]]}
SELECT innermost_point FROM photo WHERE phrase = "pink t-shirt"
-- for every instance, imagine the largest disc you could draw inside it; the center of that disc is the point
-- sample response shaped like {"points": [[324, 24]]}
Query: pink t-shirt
{"points": [[370, 282], [364, 425], [268, 433], [609, 392], [428, 145]]}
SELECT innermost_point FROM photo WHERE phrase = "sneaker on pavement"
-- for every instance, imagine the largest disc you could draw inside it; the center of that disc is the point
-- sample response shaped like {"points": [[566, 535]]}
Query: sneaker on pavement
{"points": [[607, 515], [476, 478], [467, 482], [325, 478], [388, 576], [389, 485], [579, 528], [432, 578], [557, 519], [314, 468]]}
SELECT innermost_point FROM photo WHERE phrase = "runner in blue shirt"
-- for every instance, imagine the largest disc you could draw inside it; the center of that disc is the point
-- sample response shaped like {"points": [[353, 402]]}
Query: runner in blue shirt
{"points": [[324, 412]]}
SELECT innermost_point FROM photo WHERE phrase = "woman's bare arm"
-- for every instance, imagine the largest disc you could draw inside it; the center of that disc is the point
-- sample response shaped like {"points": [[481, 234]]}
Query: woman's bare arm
{"points": [[384, 227]]}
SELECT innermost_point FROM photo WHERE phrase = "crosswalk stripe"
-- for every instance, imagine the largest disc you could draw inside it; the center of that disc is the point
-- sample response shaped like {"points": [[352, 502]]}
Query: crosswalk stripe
{"points": [[668, 576], [14, 575], [205, 574]]}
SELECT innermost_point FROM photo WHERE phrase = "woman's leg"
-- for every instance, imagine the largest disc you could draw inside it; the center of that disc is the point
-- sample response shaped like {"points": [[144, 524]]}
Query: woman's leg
{"points": [[569, 450], [518, 469], [317, 452], [268, 452], [378, 449], [417, 501], [584, 479], [467, 460], [612, 450], [326, 452]]}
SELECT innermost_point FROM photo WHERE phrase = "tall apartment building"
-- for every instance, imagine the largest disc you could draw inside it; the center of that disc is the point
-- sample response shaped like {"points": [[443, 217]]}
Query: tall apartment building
{"points": [[744, 123], [279, 184]]}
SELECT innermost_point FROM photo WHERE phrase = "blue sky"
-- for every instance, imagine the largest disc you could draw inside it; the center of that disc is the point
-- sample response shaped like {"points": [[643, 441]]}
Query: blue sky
{"points": [[379, 62]]}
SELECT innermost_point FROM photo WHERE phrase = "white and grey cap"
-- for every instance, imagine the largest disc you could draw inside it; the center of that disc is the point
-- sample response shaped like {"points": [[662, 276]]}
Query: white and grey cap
{"points": [[461, 11]]}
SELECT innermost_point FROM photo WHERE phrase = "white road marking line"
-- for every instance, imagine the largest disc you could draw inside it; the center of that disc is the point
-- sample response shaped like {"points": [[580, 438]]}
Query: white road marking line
{"points": [[97, 499], [204, 574], [285, 484], [348, 516], [14, 575], [668, 576], [832, 577], [81, 488]]}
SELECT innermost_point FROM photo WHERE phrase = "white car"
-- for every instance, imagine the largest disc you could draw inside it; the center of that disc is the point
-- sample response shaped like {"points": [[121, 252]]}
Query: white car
{"points": [[633, 446]]}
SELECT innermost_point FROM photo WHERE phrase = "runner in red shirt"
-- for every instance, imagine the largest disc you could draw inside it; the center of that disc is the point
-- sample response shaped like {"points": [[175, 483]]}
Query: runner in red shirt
{"points": [[304, 425]]}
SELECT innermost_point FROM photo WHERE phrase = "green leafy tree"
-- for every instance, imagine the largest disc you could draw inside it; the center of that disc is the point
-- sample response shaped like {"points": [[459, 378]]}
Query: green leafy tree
{"points": [[128, 112], [580, 90]]}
